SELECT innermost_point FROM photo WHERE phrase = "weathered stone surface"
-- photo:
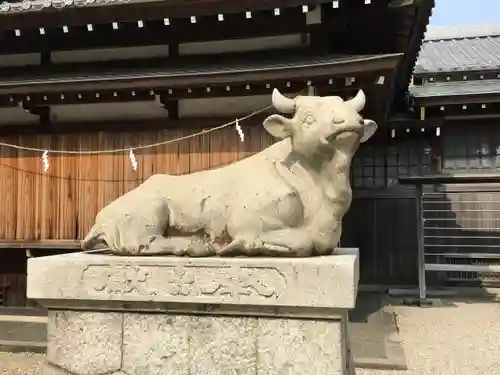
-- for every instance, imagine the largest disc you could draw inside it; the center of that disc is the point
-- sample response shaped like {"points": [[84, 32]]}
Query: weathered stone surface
{"points": [[327, 281], [285, 201], [156, 344], [218, 345], [300, 346], [261, 316], [85, 343], [49, 369], [224, 345], [163, 344]]}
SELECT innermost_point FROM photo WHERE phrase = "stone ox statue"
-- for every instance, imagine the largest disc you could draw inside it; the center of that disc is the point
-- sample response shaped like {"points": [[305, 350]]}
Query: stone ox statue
{"points": [[287, 200]]}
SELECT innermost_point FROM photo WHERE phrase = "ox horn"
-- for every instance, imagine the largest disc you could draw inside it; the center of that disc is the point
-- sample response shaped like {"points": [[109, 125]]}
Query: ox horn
{"points": [[282, 103], [359, 101]]}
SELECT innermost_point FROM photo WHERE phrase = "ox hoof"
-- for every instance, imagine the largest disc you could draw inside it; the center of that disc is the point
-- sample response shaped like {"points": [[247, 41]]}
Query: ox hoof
{"points": [[131, 248], [231, 248], [241, 245]]}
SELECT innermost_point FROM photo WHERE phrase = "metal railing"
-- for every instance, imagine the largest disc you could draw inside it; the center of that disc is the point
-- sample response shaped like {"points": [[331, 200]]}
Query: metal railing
{"points": [[456, 235]]}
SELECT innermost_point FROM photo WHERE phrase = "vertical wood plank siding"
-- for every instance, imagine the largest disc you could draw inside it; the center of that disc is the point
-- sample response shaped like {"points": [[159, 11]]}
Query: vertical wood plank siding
{"points": [[62, 202], [383, 226]]}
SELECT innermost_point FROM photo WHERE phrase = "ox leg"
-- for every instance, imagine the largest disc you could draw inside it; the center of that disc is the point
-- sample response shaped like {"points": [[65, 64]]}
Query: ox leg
{"points": [[191, 246], [129, 228], [291, 242]]}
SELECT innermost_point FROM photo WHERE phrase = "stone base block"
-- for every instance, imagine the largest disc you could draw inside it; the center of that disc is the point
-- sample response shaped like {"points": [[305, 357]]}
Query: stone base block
{"points": [[92, 343], [210, 316]]}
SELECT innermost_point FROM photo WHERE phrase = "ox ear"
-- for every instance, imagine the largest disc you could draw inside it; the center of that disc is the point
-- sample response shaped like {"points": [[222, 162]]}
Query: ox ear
{"points": [[278, 126], [369, 129]]}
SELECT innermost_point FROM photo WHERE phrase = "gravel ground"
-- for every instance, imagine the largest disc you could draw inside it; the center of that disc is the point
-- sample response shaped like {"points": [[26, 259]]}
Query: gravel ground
{"points": [[458, 338], [21, 363]]}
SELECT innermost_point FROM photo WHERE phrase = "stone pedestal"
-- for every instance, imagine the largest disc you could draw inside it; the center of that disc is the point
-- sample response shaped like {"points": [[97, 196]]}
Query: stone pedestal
{"points": [[188, 316]]}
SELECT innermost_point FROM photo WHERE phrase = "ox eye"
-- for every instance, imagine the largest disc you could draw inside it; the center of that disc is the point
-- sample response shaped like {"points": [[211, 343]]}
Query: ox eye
{"points": [[309, 120], [337, 120]]}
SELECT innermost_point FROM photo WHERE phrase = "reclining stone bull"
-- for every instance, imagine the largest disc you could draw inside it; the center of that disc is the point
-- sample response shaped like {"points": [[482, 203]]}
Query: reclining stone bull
{"points": [[287, 200]]}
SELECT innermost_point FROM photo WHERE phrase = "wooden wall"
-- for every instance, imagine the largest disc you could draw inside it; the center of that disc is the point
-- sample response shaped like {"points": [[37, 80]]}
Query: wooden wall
{"points": [[12, 278], [382, 224], [62, 202]]}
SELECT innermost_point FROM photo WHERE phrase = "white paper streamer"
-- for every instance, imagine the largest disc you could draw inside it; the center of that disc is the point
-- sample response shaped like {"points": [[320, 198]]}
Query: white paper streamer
{"points": [[133, 160], [240, 131], [45, 161]]}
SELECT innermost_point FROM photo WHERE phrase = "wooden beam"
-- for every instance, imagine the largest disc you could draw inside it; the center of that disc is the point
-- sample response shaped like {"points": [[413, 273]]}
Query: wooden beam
{"points": [[456, 76], [41, 244], [142, 11], [422, 113], [434, 101], [464, 110], [401, 3], [451, 178], [176, 78], [82, 97], [487, 268], [45, 53], [172, 107], [126, 126], [43, 112], [156, 33], [414, 123]]}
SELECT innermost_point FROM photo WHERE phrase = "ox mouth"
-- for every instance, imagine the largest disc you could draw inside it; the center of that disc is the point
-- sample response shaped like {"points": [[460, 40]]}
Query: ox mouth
{"points": [[334, 136]]}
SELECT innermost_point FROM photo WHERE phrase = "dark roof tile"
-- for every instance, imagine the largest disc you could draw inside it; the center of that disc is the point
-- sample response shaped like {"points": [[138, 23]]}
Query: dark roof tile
{"points": [[12, 6], [456, 49]]}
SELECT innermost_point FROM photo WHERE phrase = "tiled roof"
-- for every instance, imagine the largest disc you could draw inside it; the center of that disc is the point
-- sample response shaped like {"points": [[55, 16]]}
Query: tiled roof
{"points": [[8, 7], [460, 32], [460, 49]]}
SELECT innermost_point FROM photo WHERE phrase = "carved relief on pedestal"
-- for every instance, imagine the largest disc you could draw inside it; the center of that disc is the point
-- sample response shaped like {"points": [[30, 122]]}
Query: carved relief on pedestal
{"points": [[185, 281], [120, 279]]}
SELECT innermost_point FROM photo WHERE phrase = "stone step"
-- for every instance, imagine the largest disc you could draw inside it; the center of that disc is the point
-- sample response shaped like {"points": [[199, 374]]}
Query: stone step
{"points": [[23, 346]]}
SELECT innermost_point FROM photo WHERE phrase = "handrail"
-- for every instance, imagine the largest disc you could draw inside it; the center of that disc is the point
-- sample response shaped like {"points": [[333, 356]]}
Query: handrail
{"points": [[450, 178]]}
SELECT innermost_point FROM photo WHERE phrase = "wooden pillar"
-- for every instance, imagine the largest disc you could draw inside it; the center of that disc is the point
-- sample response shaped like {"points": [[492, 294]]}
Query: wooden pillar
{"points": [[311, 91]]}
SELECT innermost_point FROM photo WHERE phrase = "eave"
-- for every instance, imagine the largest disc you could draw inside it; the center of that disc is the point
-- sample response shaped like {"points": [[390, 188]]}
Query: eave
{"points": [[150, 32], [405, 23], [446, 75], [455, 77], [170, 85], [413, 124], [133, 10], [182, 76], [460, 92], [419, 17], [196, 7], [460, 100]]}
